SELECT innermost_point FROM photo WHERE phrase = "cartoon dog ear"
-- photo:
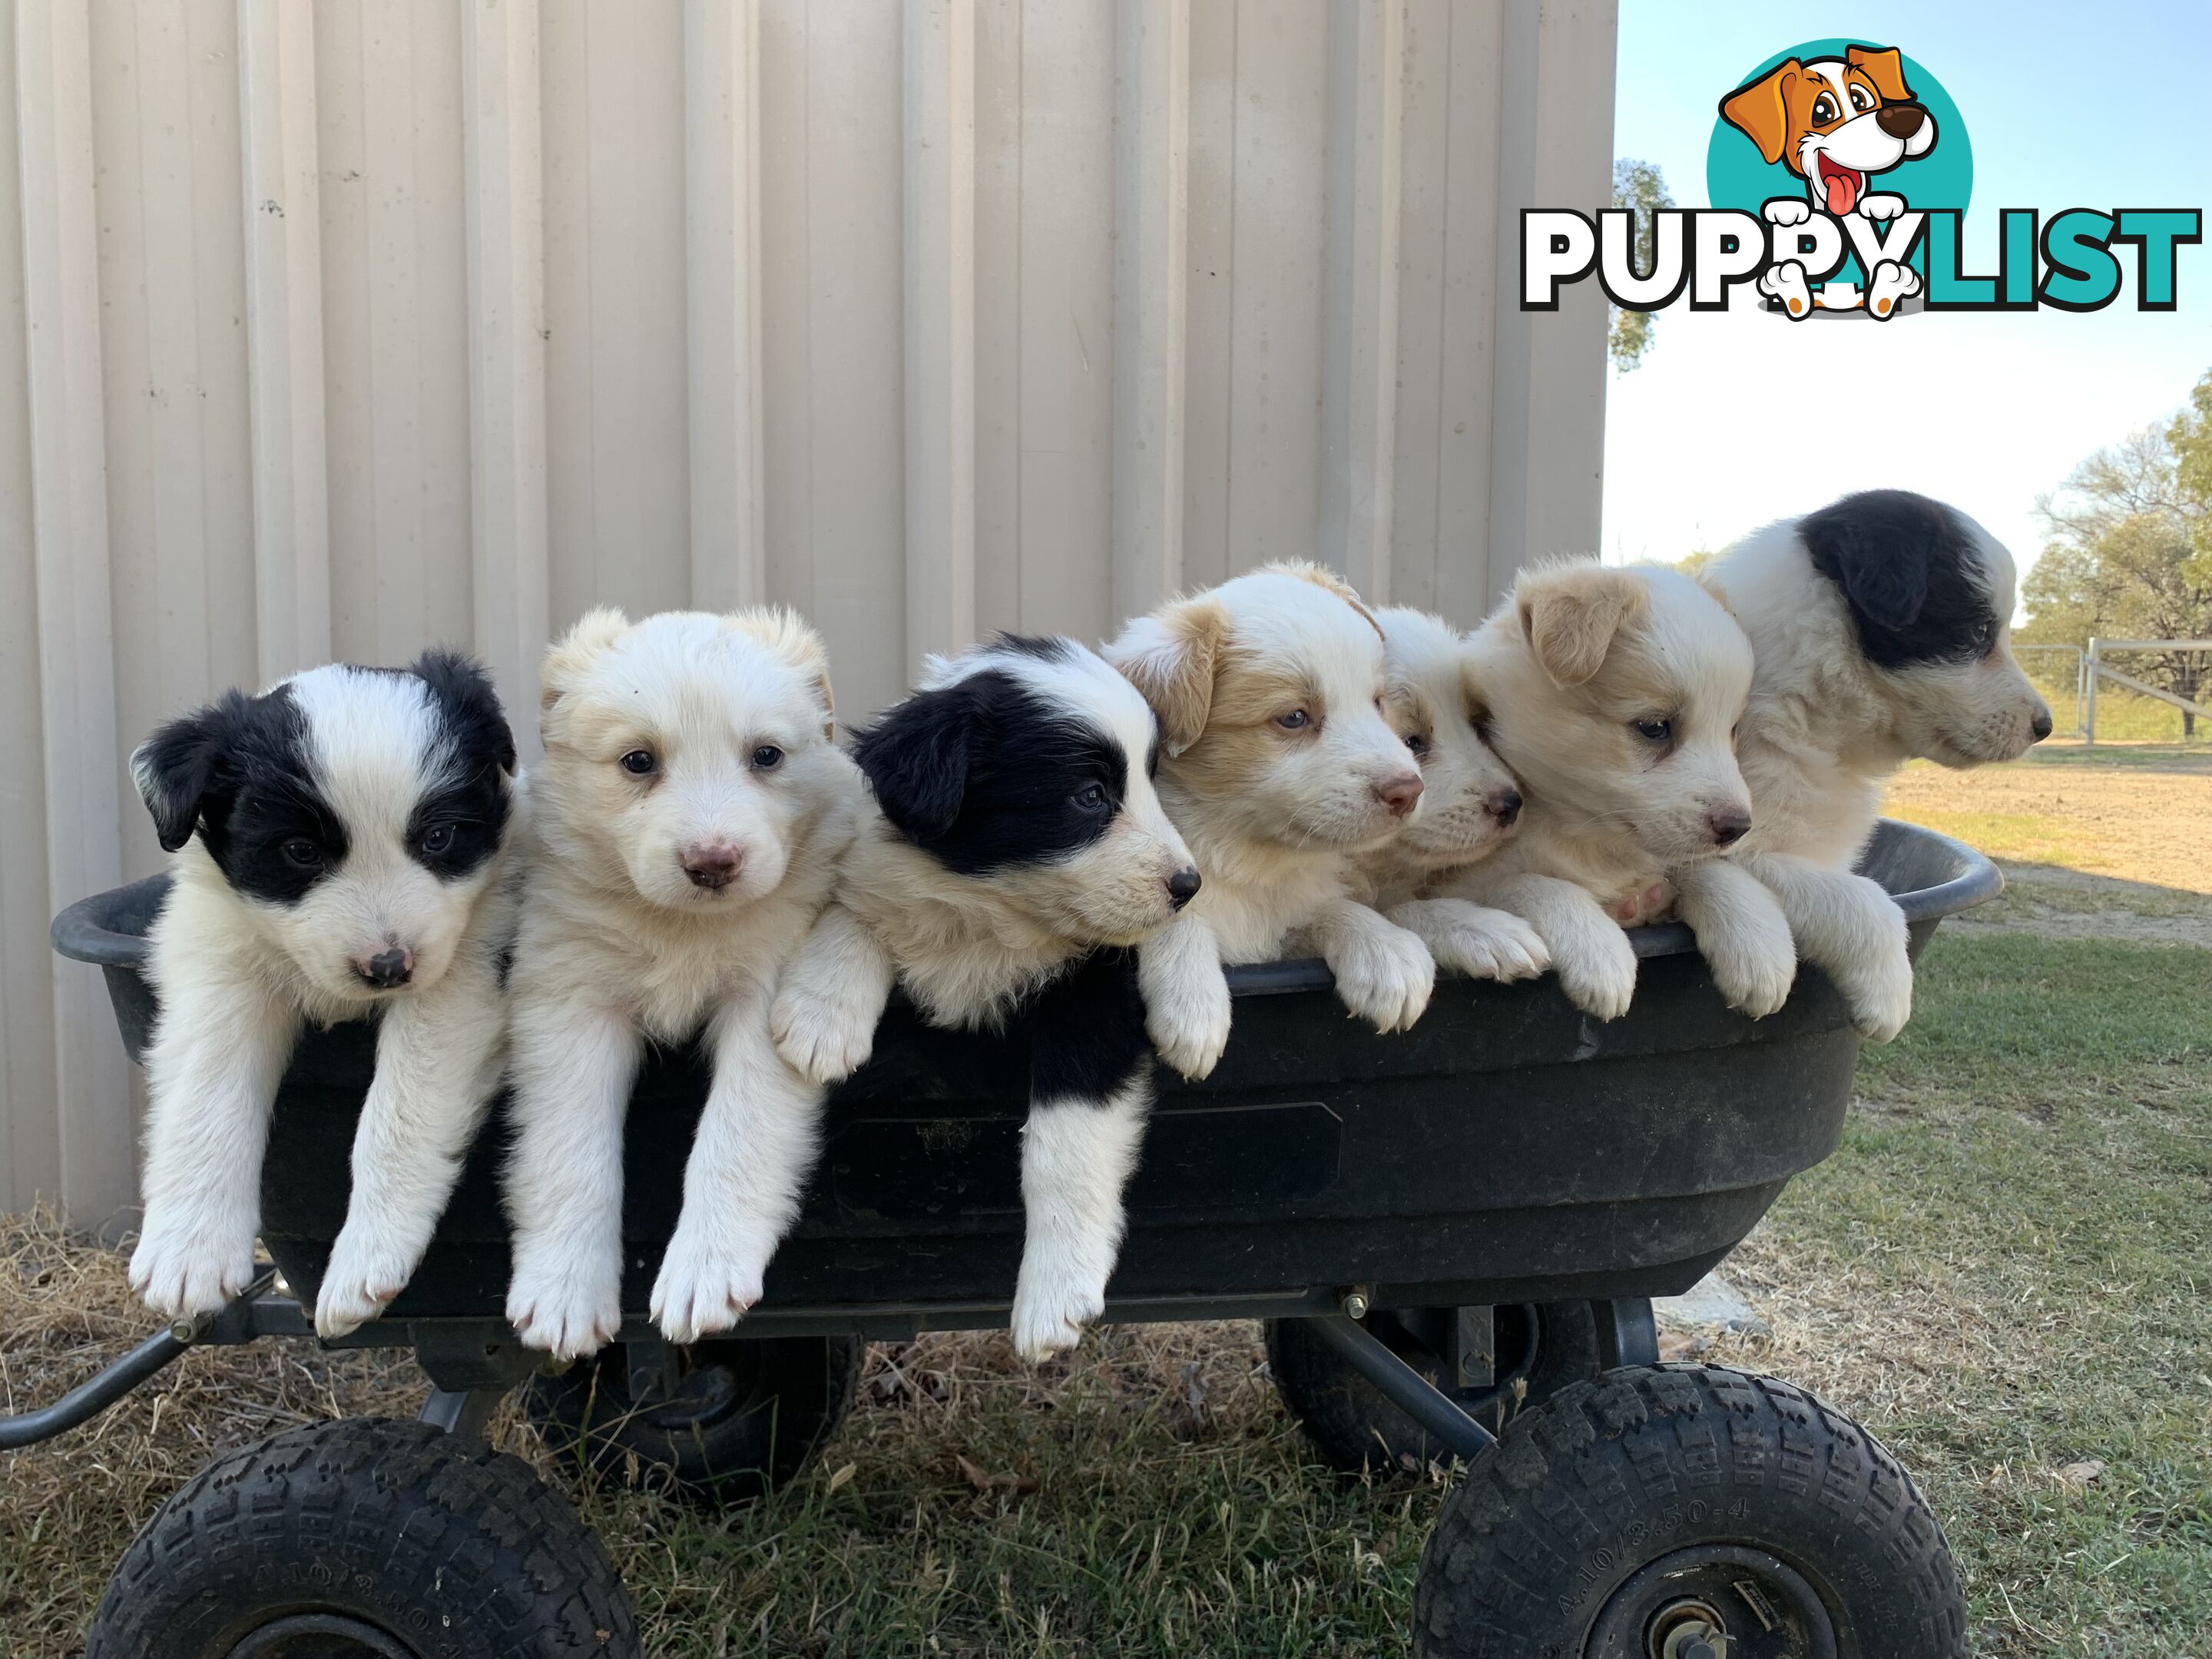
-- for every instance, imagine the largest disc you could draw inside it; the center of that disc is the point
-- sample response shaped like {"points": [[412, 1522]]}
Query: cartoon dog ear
{"points": [[185, 767], [464, 693], [1170, 657], [562, 669], [1761, 110], [915, 759], [787, 634], [1885, 68], [1878, 546], [1571, 613]]}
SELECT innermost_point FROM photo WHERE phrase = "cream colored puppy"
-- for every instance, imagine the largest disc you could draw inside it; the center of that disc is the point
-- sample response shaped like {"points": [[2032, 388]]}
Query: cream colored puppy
{"points": [[691, 811], [1279, 767], [1614, 697], [1470, 806]]}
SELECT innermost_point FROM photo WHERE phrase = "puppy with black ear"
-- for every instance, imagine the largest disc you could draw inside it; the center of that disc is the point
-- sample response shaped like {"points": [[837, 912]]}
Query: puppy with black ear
{"points": [[338, 846], [1881, 629], [1017, 857]]}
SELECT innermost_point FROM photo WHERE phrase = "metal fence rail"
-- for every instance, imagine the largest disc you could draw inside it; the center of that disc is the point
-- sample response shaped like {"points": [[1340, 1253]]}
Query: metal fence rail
{"points": [[2094, 669]]}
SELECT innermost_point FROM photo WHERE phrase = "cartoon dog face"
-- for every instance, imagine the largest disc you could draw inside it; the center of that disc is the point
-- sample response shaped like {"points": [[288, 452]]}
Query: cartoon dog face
{"points": [[686, 754], [1834, 121], [1026, 764], [1269, 691]]}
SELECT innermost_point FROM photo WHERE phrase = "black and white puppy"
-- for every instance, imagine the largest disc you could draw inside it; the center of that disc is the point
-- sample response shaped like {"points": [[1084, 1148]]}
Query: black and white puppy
{"points": [[339, 847], [1881, 630], [1017, 856]]}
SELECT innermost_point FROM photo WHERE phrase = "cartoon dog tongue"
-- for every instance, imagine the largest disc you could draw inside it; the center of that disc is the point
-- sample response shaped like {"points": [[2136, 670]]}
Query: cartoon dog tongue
{"points": [[1841, 185]]}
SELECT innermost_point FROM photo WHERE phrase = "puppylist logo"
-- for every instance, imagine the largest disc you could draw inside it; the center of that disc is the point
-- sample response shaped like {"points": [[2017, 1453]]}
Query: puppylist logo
{"points": [[1839, 174]]}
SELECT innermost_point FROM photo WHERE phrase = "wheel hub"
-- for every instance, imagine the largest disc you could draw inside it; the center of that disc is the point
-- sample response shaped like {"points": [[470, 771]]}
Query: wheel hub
{"points": [[321, 1636], [1713, 1601], [1687, 1630]]}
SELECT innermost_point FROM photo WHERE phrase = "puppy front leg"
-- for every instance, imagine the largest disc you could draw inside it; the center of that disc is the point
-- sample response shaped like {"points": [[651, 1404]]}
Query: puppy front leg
{"points": [[1384, 974], [1077, 1156], [1472, 938], [830, 998], [1742, 934], [574, 1065], [437, 1065], [1852, 928], [1186, 995], [1595, 961], [212, 1075], [756, 1144]]}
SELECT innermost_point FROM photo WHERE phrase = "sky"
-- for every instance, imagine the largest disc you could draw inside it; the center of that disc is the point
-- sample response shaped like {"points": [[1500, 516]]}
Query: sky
{"points": [[2069, 105]]}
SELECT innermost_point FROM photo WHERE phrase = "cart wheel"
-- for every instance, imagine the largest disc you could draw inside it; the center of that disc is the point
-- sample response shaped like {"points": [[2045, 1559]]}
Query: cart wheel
{"points": [[364, 1539], [1680, 1511], [1541, 1347], [746, 1414]]}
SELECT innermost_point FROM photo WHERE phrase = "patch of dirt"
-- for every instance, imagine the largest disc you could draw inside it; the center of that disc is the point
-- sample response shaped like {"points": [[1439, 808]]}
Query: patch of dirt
{"points": [[2068, 904]]}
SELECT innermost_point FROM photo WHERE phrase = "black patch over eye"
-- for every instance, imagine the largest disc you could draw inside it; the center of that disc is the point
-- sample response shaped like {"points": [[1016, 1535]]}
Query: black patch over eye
{"points": [[1656, 731], [302, 853], [437, 839], [640, 764], [1093, 798], [767, 757]]}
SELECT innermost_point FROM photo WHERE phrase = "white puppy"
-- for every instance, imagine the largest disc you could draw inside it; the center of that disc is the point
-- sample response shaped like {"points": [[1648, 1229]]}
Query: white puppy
{"points": [[1614, 695], [1279, 768], [1470, 805], [692, 811], [1881, 629], [1019, 852], [339, 846]]}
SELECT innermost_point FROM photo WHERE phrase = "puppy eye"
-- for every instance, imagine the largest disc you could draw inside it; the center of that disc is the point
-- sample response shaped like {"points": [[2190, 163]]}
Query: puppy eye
{"points": [[767, 757], [438, 840], [1297, 720], [1092, 798], [640, 764], [1656, 731], [302, 854], [1419, 743], [1823, 109]]}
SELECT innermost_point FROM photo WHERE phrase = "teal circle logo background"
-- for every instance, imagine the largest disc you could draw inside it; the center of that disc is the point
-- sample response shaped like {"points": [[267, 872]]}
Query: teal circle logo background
{"points": [[1737, 176]]}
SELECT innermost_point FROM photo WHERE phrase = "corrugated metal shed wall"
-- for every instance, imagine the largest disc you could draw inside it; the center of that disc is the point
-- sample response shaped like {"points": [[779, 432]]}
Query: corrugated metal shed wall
{"points": [[335, 330]]}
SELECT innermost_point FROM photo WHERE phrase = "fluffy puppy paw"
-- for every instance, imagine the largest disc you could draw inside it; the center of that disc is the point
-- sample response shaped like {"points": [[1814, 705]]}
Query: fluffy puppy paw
{"points": [[1597, 971], [1485, 944], [1190, 1029], [1051, 1308], [566, 1302], [1385, 976], [192, 1263], [1755, 973], [825, 1039], [363, 1277], [1879, 991], [707, 1285]]}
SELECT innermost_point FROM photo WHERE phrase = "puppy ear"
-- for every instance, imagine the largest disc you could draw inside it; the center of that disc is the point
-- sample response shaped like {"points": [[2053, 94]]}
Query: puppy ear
{"points": [[184, 765], [1878, 547], [787, 634], [1170, 657], [1761, 110], [915, 759], [562, 667], [1571, 613], [1886, 68], [464, 696]]}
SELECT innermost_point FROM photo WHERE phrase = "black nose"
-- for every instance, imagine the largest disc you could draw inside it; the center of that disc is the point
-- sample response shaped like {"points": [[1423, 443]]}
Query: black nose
{"points": [[1900, 120], [387, 971], [2040, 725], [1505, 807], [1730, 824], [1182, 886]]}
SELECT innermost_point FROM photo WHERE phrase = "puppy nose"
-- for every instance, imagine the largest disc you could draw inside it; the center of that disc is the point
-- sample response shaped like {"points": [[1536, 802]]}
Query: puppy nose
{"points": [[1730, 824], [1182, 886], [1399, 793], [388, 970], [2040, 725], [713, 864], [1505, 807], [1899, 120]]}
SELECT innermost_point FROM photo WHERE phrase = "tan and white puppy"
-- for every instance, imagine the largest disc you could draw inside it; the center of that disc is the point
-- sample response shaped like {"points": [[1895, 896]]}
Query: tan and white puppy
{"points": [[1280, 768], [693, 809], [1470, 805], [1882, 625], [1017, 852], [1614, 695]]}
